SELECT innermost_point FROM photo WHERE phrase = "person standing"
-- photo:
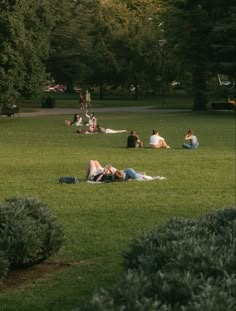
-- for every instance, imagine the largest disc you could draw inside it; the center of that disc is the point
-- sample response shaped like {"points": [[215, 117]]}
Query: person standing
{"points": [[81, 100], [134, 141], [87, 100]]}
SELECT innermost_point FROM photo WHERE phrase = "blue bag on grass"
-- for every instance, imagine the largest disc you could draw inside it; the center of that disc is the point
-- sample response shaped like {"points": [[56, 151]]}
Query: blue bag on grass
{"points": [[68, 180]]}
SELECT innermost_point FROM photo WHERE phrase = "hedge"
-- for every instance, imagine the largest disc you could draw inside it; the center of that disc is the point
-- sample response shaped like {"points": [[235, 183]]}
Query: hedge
{"points": [[183, 265], [29, 232]]}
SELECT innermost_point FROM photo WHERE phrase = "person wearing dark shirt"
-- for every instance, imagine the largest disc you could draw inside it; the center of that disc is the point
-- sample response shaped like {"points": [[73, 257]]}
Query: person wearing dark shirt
{"points": [[134, 141]]}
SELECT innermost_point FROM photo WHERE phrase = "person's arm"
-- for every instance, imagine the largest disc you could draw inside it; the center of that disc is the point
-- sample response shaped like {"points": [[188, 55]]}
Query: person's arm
{"points": [[187, 137], [138, 139]]}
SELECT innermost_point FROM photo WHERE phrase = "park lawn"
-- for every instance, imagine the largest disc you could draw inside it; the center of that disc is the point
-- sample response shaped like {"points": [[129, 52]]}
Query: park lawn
{"points": [[101, 219]]}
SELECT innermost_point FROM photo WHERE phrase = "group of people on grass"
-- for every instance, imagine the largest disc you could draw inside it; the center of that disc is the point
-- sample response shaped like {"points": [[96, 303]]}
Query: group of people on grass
{"points": [[90, 126], [96, 173], [156, 141], [133, 141]]}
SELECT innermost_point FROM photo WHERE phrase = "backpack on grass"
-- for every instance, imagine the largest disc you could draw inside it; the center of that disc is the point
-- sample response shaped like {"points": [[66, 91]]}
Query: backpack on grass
{"points": [[68, 180]]}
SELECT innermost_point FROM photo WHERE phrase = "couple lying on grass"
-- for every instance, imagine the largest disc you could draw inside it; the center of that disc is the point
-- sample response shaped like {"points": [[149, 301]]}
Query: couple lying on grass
{"points": [[97, 173]]}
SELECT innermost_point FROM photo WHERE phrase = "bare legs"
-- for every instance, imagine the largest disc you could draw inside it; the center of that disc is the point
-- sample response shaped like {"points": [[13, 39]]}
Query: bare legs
{"points": [[93, 167], [161, 144]]}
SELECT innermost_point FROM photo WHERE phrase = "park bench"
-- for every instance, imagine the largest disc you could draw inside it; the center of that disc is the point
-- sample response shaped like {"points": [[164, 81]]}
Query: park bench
{"points": [[222, 106]]}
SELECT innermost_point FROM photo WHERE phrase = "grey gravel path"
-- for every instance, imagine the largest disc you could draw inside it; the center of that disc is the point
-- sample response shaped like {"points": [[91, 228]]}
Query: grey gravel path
{"points": [[62, 111]]}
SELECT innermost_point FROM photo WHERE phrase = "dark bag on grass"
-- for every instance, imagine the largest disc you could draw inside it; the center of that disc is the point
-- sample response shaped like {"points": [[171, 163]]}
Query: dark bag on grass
{"points": [[68, 180]]}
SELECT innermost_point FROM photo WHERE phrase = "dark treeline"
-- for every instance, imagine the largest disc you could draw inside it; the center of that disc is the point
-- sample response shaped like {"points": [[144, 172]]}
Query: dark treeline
{"points": [[143, 43]]}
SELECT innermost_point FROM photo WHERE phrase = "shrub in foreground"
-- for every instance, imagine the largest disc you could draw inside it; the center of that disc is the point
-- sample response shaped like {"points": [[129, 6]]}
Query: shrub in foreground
{"points": [[184, 265], [29, 232]]}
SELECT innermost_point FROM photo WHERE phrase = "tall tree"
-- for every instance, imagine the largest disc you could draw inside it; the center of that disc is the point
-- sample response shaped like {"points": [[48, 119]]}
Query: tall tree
{"points": [[24, 41], [189, 25], [67, 43]]}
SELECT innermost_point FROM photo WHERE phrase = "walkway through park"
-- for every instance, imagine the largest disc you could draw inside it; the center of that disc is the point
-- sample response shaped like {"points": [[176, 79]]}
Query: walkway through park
{"points": [[71, 111]]}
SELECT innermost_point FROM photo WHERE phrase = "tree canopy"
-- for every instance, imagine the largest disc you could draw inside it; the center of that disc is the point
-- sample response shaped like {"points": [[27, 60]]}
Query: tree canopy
{"points": [[24, 45], [115, 42]]}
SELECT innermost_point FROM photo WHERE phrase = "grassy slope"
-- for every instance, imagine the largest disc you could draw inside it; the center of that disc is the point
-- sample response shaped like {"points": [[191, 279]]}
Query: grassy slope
{"points": [[100, 220]]}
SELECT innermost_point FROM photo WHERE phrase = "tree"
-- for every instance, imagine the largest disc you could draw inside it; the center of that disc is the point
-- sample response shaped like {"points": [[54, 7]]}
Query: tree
{"points": [[24, 41], [189, 25], [68, 43]]}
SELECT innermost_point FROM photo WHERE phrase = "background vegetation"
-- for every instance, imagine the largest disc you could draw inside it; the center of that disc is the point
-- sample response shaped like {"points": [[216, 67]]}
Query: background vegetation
{"points": [[143, 45]]}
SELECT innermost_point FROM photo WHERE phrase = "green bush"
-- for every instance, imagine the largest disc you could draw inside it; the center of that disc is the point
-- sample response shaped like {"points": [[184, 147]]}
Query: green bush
{"points": [[202, 246], [3, 267], [29, 233], [186, 265]]}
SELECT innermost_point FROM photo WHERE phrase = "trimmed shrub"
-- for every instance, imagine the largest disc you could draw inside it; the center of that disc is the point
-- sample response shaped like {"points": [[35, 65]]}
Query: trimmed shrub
{"points": [[3, 267], [29, 233], [204, 246], [184, 265]]}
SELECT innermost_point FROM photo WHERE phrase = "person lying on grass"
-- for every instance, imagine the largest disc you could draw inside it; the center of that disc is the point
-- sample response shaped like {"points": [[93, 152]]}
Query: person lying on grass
{"points": [[109, 131], [97, 173], [101, 130], [130, 174]]}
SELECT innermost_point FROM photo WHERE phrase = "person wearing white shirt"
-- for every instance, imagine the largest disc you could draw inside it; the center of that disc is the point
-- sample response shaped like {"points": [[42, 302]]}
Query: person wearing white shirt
{"points": [[156, 141]]}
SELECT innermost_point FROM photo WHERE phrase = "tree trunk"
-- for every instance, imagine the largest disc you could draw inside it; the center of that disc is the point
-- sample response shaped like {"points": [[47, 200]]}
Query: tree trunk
{"points": [[69, 87], [100, 89], [200, 92], [136, 91]]}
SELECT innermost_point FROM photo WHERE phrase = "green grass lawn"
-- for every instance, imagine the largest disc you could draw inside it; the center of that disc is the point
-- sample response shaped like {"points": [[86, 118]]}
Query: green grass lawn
{"points": [[100, 220]]}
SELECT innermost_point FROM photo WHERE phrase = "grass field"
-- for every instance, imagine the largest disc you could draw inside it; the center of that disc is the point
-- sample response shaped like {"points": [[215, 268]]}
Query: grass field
{"points": [[100, 220]]}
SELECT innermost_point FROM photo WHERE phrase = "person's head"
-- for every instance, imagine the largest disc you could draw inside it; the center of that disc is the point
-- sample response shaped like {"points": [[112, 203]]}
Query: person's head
{"points": [[154, 132], [118, 175], [190, 132], [91, 114], [133, 133]]}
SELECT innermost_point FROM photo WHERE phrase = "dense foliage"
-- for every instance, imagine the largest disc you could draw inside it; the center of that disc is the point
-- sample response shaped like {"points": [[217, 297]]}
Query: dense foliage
{"points": [[24, 43], [182, 265], [29, 233], [104, 42], [4, 265], [202, 41]]}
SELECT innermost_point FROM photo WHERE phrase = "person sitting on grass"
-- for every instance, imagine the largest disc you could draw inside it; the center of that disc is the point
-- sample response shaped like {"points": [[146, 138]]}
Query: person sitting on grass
{"points": [[92, 122], [192, 141], [77, 120], [134, 141], [156, 141]]}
